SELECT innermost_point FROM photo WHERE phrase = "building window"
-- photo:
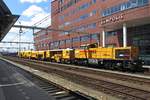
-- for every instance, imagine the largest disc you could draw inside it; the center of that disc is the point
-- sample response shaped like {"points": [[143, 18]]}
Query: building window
{"points": [[56, 44], [134, 3], [76, 39], [85, 38], [103, 0], [92, 25], [94, 12], [68, 41], [94, 36], [84, 6], [108, 34], [62, 42], [61, 1], [69, 4], [93, 1]]}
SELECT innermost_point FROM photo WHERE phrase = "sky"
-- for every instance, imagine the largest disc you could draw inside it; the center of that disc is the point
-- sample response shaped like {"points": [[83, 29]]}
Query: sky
{"points": [[31, 12]]}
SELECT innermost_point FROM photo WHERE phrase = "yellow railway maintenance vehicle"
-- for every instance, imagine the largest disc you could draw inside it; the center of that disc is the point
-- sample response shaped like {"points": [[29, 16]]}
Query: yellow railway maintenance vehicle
{"points": [[118, 58], [127, 58]]}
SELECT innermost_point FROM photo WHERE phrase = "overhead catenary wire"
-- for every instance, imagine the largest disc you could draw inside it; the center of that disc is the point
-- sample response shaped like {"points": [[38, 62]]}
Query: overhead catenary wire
{"points": [[35, 24]]}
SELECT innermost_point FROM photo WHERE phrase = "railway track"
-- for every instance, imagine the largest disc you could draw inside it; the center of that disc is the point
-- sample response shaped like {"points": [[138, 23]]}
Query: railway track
{"points": [[125, 77], [93, 79], [57, 92]]}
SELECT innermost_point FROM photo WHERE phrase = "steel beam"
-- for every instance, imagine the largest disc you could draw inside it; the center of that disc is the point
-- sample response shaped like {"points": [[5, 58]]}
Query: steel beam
{"points": [[39, 28], [17, 42]]}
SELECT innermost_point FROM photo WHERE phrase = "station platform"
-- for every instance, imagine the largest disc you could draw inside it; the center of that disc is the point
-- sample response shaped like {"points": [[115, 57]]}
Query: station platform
{"points": [[14, 86]]}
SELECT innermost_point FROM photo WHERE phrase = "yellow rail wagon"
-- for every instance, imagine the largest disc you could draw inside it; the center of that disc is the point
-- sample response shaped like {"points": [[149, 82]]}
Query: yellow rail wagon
{"points": [[56, 55], [121, 58], [67, 55], [81, 56], [128, 53], [100, 54], [127, 58], [34, 54], [47, 55], [41, 55], [20, 54], [27, 54]]}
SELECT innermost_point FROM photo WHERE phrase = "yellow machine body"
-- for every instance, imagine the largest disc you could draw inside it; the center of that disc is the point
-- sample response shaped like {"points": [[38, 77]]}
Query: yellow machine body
{"points": [[41, 55], [56, 55], [47, 55], [101, 53], [81, 54], [34, 54]]}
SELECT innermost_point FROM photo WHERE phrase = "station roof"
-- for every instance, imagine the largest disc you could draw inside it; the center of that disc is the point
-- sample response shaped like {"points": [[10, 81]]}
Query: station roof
{"points": [[7, 19]]}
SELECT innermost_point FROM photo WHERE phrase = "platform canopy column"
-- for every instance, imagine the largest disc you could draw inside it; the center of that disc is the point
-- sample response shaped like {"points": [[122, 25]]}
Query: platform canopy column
{"points": [[124, 35], [103, 38]]}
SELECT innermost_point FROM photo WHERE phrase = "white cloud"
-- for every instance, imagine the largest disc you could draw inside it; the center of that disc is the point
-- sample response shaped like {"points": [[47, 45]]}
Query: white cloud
{"points": [[33, 1], [32, 10], [38, 18], [36, 14]]}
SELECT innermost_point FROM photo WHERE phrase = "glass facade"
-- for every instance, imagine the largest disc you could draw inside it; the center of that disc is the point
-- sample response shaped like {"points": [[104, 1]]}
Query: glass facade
{"points": [[124, 6], [140, 37], [108, 34]]}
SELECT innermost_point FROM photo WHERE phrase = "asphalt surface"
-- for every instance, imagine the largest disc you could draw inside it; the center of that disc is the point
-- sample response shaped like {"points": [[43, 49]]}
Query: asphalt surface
{"points": [[14, 86]]}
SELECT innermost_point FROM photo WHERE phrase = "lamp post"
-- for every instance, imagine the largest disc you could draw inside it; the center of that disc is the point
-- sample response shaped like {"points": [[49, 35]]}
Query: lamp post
{"points": [[20, 31]]}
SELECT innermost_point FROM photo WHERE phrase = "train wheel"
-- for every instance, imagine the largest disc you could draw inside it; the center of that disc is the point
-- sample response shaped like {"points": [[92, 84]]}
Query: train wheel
{"points": [[106, 65], [113, 66], [133, 68], [101, 64], [119, 66]]}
